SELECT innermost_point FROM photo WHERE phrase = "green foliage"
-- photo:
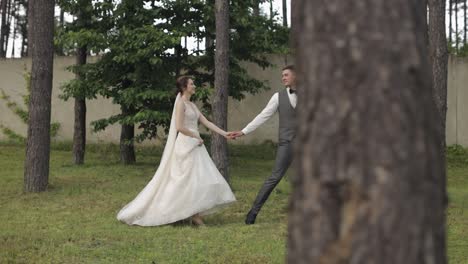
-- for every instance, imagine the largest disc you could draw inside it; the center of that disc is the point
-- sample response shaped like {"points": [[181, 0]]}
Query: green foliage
{"points": [[461, 50], [141, 55], [12, 135]]}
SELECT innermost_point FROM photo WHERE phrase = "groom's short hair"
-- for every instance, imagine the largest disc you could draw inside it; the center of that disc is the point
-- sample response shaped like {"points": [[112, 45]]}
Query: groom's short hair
{"points": [[289, 67]]}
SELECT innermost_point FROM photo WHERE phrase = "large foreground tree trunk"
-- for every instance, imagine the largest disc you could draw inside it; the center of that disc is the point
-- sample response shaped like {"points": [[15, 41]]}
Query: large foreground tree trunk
{"points": [[79, 131], [219, 150], [369, 174], [36, 166]]}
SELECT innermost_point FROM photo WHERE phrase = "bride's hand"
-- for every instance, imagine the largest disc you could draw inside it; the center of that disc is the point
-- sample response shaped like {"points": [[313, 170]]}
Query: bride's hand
{"points": [[200, 141], [228, 136]]}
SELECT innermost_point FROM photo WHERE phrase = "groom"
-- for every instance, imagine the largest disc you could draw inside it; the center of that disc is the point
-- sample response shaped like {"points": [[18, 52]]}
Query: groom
{"points": [[283, 102]]}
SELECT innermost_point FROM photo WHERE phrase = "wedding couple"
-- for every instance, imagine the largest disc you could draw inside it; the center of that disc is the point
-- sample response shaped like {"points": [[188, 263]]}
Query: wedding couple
{"points": [[187, 183]]}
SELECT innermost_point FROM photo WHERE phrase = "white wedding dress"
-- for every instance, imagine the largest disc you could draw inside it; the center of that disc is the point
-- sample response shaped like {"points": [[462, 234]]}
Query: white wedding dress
{"points": [[186, 182]]}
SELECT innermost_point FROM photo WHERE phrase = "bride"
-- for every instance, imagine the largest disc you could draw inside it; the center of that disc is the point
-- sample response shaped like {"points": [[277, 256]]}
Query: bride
{"points": [[187, 182]]}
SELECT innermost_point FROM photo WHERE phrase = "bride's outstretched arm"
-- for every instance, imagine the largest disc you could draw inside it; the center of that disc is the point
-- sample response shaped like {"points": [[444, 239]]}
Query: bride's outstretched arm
{"points": [[180, 109], [211, 126]]}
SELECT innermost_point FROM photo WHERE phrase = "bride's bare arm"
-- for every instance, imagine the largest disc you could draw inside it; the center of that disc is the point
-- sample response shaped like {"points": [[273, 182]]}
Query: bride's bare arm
{"points": [[211, 126], [180, 109]]}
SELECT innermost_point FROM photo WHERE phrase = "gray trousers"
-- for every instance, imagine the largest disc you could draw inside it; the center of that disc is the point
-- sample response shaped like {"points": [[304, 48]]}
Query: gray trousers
{"points": [[284, 156]]}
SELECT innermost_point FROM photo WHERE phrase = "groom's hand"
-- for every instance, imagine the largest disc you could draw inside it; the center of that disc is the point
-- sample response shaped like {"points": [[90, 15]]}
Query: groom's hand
{"points": [[229, 135], [236, 134]]}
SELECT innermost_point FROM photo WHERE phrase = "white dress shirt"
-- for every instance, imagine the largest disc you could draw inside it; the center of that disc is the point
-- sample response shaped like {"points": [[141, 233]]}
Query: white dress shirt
{"points": [[270, 109]]}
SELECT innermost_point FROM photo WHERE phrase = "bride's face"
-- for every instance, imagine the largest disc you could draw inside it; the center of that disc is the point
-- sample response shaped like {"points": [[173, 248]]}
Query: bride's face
{"points": [[190, 87]]}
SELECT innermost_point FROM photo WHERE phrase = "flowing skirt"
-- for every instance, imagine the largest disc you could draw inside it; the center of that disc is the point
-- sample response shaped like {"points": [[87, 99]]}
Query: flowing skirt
{"points": [[189, 184]]}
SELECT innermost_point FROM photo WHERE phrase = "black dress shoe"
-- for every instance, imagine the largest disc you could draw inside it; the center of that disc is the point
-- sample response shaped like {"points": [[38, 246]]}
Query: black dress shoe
{"points": [[250, 219]]}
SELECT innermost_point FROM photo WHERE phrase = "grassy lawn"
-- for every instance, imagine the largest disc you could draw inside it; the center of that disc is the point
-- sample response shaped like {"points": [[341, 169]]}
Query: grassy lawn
{"points": [[74, 222]]}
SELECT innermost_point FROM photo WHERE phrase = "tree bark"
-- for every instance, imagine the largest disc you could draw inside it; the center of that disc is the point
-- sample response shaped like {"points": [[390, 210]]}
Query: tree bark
{"points": [[36, 168], [127, 148], [285, 13], [79, 132], [219, 150], [450, 21], [456, 27], [24, 31], [369, 177], [464, 23], [439, 62], [30, 15], [3, 28], [15, 26]]}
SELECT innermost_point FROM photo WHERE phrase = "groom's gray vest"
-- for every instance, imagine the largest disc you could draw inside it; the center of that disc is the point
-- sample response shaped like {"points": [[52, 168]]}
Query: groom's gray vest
{"points": [[287, 117]]}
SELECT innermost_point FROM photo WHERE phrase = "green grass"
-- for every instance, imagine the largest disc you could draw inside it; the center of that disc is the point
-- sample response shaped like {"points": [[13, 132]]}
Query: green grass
{"points": [[74, 222]]}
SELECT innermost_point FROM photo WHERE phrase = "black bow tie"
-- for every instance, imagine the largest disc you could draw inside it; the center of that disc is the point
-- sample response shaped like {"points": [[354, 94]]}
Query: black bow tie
{"points": [[291, 91]]}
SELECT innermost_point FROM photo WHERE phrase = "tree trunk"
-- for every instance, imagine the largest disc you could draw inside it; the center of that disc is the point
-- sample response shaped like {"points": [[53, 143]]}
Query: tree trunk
{"points": [[271, 10], [369, 177], [464, 23], [36, 168], [24, 31], [457, 47], [3, 28], [285, 13], [439, 62], [79, 132], [15, 27], [256, 8], [30, 18], [450, 22], [127, 148], [219, 150]]}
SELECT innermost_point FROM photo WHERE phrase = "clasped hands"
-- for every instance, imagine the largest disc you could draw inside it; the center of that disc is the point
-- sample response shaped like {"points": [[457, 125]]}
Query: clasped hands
{"points": [[234, 134]]}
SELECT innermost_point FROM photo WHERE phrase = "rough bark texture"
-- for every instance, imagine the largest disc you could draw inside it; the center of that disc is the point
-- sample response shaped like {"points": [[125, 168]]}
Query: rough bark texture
{"points": [[439, 61], [219, 150], [369, 177], [127, 148], [36, 168], [79, 131]]}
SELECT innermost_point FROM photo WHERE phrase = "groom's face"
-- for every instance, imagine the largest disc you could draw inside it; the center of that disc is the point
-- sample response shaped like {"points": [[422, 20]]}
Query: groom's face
{"points": [[288, 78]]}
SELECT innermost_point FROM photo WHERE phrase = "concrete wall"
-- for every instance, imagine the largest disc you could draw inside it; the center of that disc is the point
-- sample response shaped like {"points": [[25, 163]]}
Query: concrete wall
{"points": [[240, 113], [457, 102]]}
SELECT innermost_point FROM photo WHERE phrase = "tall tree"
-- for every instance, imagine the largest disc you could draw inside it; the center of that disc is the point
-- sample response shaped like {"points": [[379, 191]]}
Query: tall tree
{"points": [[83, 20], [219, 149], [3, 28], [369, 173], [457, 39], [285, 13], [36, 166], [439, 63], [450, 21], [30, 17], [79, 128], [465, 26]]}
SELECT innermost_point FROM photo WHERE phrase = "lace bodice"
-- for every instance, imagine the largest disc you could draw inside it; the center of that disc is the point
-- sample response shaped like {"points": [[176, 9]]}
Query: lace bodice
{"points": [[191, 116]]}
